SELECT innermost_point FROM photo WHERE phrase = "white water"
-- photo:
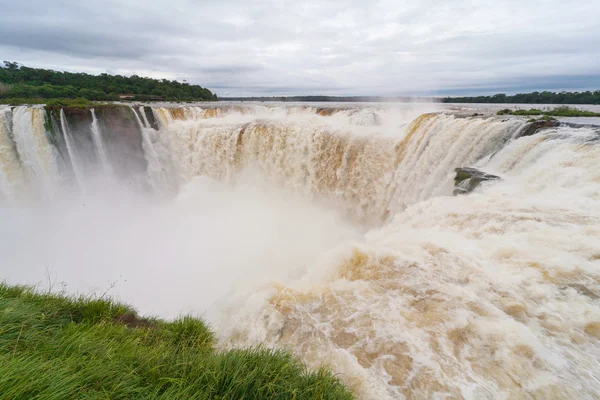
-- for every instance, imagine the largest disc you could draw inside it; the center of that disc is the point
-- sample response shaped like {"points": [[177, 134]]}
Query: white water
{"points": [[76, 162], [156, 175], [425, 295], [99, 144], [145, 117], [12, 179], [38, 158]]}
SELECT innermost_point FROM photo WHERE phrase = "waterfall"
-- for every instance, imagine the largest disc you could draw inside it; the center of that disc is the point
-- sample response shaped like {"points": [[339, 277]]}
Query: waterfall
{"points": [[163, 116], [76, 163], [435, 145], [369, 176], [321, 154], [98, 144], [156, 175], [490, 295], [12, 179], [414, 292], [38, 157], [144, 117]]}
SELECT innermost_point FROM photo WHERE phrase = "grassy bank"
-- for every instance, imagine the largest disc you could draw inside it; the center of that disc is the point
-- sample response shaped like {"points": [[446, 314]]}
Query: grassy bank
{"points": [[57, 347], [562, 111]]}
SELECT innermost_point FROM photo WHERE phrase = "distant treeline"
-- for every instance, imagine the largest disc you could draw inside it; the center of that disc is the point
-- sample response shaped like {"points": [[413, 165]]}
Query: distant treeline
{"points": [[19, 81], [353, 99], [545, 97]]}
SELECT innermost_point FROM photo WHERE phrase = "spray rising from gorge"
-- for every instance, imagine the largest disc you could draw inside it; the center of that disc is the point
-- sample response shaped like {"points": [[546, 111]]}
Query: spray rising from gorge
{"points": [[328, 231]]}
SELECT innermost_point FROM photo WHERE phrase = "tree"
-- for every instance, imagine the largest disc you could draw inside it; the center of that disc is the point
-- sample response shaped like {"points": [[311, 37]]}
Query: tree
{"points": [[11, 65], [22, 81]]}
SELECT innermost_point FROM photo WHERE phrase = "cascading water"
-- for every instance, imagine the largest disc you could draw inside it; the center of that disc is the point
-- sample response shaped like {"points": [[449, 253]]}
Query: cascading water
{"points": [[144, 117], [38, 158], [156, 175], [99, 144], [76, 162], [454, 296], [493, 294], [12, 179], [358, 169], [434, 146]]}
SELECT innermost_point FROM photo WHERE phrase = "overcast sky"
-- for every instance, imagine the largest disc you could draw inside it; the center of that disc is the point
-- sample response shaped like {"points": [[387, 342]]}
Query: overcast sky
{"points": [[273, 47]]}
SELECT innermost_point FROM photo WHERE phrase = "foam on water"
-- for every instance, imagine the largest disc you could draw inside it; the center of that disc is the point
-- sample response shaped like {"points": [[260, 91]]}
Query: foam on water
{"points": [[493, 295]]}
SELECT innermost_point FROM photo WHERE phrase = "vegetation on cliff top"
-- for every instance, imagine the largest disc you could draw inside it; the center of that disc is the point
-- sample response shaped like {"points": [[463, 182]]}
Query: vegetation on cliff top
{"points": [[21, 82], [562, 111], [78, 102], [58, 347], [588, 97], [545, 97], [67, 104]]}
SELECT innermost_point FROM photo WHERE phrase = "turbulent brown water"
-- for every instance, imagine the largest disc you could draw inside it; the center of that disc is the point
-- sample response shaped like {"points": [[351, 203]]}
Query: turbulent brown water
{"points": [[334, 234]]}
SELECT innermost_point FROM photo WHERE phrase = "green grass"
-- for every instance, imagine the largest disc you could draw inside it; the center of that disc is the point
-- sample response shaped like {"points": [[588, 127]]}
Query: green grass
{"points": [[58, 347], [562, 111]]}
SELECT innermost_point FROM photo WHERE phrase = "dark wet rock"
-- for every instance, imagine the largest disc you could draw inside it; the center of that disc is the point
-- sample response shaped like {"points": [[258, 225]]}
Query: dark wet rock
{"points": [[145, 114], [536, 126], [150, 116], [325, 111], [133, 321], [467, 179], [78, 122], [123, 139], [120, 134]]}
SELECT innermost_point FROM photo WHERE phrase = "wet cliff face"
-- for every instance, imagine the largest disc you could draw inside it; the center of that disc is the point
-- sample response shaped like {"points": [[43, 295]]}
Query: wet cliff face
{"points": [[48, 150], [123, 138], [149, 116], [73, 136]]}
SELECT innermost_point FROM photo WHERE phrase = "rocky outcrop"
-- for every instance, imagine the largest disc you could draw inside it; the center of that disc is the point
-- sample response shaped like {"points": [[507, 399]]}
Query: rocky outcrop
{"points": [[150, 117], [467, 179], [536, 126], [326, 111]]}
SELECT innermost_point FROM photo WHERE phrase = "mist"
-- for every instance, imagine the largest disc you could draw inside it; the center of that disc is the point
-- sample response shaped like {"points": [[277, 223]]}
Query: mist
{"points": [[168, 257]]}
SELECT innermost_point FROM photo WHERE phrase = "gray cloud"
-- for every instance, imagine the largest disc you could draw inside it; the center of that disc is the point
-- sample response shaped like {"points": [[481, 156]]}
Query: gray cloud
{"points": [[383, 47]]}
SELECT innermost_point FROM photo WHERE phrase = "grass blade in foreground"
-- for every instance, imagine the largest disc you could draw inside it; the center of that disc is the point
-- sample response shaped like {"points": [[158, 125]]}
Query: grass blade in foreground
{"points": [[56, 347]]}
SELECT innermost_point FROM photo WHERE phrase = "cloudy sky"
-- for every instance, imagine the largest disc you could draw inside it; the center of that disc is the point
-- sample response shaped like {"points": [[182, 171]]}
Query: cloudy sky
{"points": [[274, 47]]}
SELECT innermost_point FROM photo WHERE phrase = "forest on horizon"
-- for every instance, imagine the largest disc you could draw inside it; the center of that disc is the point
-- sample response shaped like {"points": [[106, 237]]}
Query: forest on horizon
{"points": [[545, 97], [22, 82]]}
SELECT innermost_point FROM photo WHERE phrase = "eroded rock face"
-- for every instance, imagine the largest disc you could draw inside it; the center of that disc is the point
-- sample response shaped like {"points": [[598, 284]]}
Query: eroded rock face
{"points": [[123, 139], [467, 179], [150, 116], [536, 126]]}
